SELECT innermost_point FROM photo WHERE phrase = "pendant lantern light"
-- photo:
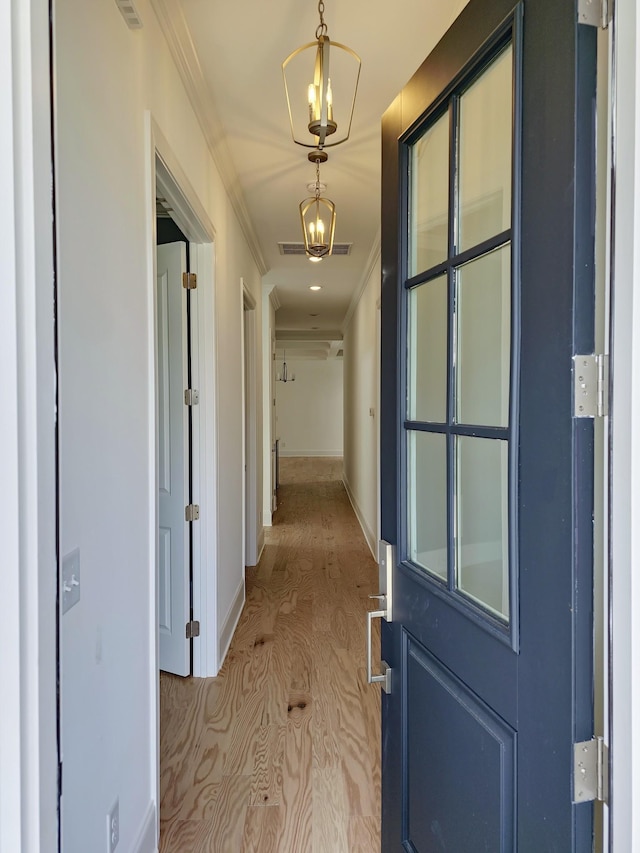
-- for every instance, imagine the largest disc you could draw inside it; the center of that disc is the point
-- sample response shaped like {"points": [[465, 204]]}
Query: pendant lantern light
{"points": [[321, 82], [318, 216]]}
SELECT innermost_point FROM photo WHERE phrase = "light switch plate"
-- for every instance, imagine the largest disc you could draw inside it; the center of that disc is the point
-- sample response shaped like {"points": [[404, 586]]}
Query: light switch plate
{"points": [[70, 592]]}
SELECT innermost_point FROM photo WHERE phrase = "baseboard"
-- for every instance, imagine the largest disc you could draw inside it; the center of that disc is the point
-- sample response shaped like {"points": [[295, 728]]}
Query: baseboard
{"points": [[147, 841], [261, 544], [230, 622], [368, 533], [335, 453]]}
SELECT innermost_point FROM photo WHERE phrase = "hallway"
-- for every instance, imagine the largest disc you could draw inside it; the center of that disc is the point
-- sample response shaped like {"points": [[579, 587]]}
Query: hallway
{"points": [[280, 753]]}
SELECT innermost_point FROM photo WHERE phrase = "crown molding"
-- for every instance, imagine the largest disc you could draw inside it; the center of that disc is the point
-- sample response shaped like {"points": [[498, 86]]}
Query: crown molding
{"points": [[274, 297], [178, 37], [374, 255], [271, 292]]}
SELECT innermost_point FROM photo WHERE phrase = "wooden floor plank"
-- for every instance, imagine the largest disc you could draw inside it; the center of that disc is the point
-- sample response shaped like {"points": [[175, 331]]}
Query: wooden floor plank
{"points": [[330, 825], [281, 752], [262, 829]]}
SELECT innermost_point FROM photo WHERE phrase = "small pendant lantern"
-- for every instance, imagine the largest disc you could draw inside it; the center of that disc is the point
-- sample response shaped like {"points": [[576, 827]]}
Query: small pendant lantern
{"points": [[318, 216]]}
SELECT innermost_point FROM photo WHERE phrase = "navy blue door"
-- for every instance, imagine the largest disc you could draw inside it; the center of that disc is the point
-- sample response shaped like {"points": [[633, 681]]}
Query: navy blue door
{"points": [[487, 478]]}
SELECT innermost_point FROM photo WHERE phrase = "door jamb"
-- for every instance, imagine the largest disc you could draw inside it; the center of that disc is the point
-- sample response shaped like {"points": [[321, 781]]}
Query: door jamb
{"points": [[249, 427], [625, 401]]}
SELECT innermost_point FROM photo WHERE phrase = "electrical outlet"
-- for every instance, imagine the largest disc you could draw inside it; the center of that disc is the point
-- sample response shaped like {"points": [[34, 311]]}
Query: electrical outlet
{"points": [[113, 827]]}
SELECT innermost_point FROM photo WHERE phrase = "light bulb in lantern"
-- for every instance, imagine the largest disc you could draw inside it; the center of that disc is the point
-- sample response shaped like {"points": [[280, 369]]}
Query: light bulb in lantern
{"points": [[312, 97], [329, 101]]}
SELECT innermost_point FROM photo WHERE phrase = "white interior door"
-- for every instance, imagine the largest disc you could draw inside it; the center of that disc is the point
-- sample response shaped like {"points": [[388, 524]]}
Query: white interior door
{"points": [[173, 452]]}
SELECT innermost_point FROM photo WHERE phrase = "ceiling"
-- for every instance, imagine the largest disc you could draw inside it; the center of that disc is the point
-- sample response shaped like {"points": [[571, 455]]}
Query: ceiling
{"points": [[230, 53]]}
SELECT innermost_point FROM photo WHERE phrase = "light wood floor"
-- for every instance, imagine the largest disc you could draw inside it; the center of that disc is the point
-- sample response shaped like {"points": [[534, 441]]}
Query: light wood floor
{"points": [[281, 752]]}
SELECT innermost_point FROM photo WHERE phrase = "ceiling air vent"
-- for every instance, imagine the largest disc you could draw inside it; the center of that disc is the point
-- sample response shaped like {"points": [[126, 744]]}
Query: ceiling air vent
{"points": [[130, 14], [298, 248]]}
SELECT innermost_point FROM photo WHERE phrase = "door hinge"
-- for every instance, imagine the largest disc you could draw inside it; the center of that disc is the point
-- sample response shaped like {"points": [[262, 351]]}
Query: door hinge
{"points": [[595, 13], [192, 512], [189, 280], [191, 397], [193, 629], [590, 386], [591, 771]]}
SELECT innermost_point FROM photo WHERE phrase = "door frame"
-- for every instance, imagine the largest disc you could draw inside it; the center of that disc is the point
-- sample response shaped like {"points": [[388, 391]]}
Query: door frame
{"points": [[624, 486], [251, 546], [164, 174], [29, 713]]}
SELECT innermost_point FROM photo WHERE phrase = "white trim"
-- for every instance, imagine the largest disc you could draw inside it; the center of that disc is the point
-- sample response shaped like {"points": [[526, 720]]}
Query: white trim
{"points": [[152, 463], [335, 453], [147, 840], [28, 711], [248, 299], [205, 593], [261, 544], [269, 297], [250, 496], [625, 416], [369, 535], [274, 298], [231, 621]]}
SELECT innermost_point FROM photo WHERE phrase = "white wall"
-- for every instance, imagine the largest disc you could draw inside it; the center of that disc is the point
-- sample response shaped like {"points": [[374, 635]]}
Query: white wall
{"points": [[107, 77], [361, 380], [309, 410]]}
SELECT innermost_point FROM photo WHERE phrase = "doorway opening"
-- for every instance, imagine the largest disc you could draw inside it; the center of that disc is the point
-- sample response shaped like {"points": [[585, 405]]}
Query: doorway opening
{"points": [[175, 396], [185, 231]]}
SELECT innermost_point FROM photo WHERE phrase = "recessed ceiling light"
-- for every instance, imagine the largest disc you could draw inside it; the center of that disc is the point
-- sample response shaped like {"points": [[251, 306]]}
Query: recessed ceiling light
{"points": [[315, 287], [314, 315], [314, 328]]}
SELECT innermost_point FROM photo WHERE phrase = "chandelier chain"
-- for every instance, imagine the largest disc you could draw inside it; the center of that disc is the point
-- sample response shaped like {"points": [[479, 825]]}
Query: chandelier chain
{"points": [[317, 179], [322, 27]]}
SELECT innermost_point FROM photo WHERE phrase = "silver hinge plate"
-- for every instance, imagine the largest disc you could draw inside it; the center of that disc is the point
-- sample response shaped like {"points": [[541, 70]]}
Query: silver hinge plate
{"points": [[590, 386], [192, 512], [193, 629], [595, 13], [191, 397], [189, 280], [591, 771]]}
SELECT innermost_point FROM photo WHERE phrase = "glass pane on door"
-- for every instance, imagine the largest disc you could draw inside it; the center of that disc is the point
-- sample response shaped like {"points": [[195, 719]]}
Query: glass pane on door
{"points": [[428, 358], [484, 170], [483, 339], [429, 220], [427, 509], [482, 522]]}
